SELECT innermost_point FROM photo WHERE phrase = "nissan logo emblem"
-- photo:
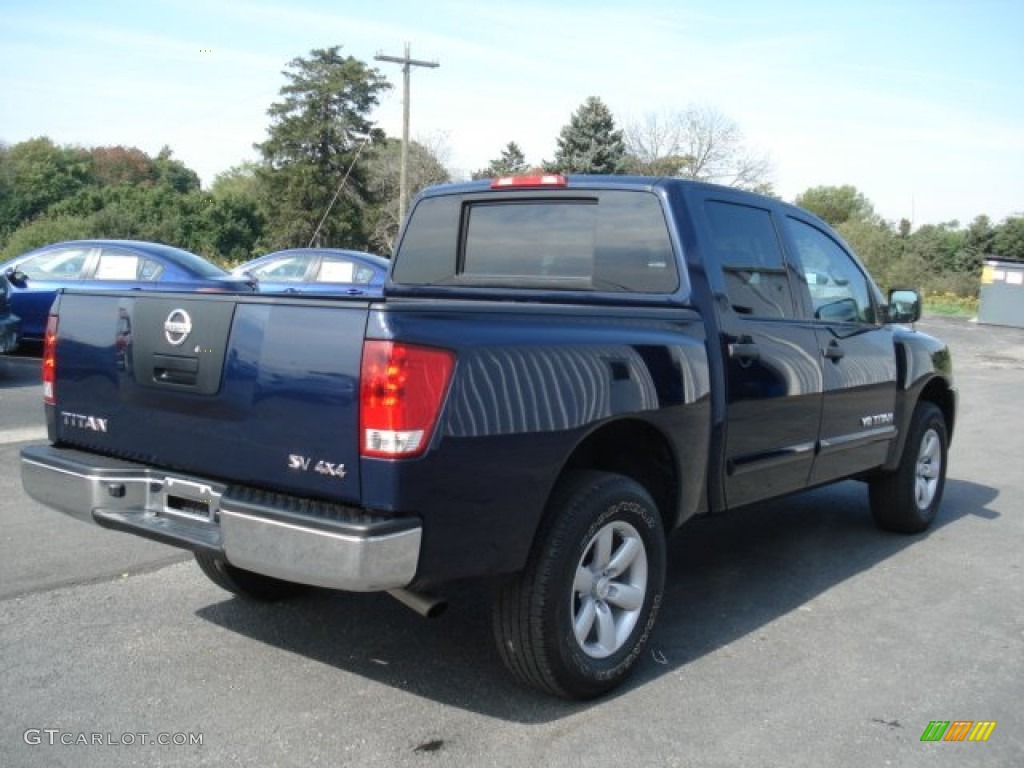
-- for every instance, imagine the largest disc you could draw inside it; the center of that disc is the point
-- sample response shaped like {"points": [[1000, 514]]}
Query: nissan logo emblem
{"points": [[177, 327]]}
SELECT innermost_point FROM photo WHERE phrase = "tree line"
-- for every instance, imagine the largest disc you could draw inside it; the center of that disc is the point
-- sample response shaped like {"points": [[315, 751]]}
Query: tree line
{"points": [[326, 175]]}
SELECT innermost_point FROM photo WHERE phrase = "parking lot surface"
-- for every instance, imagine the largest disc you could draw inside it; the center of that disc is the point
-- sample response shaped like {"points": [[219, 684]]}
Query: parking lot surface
{"points": [[792, 634]]}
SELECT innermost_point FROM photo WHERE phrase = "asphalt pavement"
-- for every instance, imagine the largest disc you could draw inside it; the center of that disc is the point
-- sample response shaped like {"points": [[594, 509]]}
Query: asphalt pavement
{"points": [[43, 550], [792, 634]]}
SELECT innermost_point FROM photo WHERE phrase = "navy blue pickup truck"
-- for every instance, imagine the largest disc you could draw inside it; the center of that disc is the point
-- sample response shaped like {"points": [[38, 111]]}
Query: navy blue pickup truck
{"points": [[562, 371]]}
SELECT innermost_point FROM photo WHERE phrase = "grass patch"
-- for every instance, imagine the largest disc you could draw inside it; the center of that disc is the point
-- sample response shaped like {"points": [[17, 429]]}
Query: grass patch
{"points": [[951, 305]]}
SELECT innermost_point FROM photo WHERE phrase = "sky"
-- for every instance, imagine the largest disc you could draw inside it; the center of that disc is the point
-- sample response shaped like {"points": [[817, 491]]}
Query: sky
{"points": [[918, 104]]}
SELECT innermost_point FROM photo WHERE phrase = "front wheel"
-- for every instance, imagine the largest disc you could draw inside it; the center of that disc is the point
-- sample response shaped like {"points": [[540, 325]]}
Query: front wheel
{"points": [[906, 499], [575, 621]]}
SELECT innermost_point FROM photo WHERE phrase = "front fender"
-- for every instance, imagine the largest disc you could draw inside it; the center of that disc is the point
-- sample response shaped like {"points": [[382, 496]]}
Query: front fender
{"points": [[924, 371]]}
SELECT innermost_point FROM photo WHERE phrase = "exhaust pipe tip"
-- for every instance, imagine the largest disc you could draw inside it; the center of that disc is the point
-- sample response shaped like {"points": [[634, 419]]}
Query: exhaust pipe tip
{"points": [[426, 605]]}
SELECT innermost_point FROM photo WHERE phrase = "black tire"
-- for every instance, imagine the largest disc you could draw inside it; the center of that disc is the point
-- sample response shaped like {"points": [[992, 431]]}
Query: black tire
{"points": [[254, 586], [906, 499], [534, 612]]}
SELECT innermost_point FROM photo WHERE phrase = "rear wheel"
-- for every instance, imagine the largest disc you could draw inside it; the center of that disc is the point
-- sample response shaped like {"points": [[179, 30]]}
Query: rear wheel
{"points": [[254, 586], [906, 499], [575, 621]]}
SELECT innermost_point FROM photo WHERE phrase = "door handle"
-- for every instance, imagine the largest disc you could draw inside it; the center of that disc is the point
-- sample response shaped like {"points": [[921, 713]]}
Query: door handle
{"points": [[833, 351], [744, 349]]}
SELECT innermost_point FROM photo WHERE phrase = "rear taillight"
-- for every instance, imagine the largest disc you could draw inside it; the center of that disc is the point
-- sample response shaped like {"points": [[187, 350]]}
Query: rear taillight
{"points": [[50, 359], [401, 390]]}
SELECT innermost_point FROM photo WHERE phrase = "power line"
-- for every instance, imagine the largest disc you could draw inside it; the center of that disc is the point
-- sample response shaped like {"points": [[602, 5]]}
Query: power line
{"points": [[330, 205], [403, 182]]}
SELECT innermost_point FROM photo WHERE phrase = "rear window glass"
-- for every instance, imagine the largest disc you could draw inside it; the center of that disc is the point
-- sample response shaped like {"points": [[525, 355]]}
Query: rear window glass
{"points": [[612, 240]]}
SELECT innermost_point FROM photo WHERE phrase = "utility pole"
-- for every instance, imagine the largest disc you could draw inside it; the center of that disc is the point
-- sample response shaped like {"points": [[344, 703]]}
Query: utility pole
{"points": [[403, 182]]}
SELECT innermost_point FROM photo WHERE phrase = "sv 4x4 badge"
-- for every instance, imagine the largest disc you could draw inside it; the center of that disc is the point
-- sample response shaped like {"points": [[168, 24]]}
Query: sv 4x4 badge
{"points": [[321, 467]]}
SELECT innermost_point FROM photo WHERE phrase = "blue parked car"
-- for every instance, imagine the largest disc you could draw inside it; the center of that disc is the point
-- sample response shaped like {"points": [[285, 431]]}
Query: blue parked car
{"points": [[36, 276], [317, 270]]}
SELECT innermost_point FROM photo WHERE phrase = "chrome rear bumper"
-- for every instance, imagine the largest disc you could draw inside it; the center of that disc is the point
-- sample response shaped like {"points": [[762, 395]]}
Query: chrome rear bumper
{"points": [[307, 542]]}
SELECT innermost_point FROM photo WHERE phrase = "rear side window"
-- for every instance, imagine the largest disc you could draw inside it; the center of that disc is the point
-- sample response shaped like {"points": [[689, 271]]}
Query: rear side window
{"points": [[746, 247], [614, 240], [121, 265]]}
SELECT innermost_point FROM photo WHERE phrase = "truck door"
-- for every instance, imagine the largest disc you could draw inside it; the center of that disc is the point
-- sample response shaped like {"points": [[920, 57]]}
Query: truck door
{"points": [[772, 364], [857, 352]]}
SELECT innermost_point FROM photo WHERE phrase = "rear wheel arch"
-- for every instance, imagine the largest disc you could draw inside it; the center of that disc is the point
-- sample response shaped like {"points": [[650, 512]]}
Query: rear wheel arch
{"points": [[637, 450]]}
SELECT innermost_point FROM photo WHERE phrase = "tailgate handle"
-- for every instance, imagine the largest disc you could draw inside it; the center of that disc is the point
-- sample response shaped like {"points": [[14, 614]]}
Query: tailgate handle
{"points": [[175, 369]]}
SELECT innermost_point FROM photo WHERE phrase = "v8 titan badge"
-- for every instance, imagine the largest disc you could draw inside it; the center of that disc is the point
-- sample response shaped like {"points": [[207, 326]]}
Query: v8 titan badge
{"points": [[177, 327]]}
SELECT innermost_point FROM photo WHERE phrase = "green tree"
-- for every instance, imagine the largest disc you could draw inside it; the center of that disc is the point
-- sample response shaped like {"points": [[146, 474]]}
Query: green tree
{"points": [[590, 143], [7, 216], [943, 263], [938, 244], [45, 230], [174, 173], [228, 229], [877, 245], [511, 162], [239, 181], [39, 174], [233, 215], [980, 235], [837, 205], [316, 131], [52, 193], [1008, 242]]}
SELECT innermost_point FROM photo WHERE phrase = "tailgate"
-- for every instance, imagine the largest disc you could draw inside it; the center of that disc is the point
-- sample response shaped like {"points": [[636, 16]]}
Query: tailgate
{"points": [[245, 389]]}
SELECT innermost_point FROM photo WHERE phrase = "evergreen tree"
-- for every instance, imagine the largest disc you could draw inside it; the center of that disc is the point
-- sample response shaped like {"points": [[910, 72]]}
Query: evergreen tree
{"points": [[316, 131], [590, 143], [511, 163]]}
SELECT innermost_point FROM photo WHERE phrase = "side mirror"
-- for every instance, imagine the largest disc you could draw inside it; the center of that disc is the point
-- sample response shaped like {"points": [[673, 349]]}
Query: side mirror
{"points": [[17, 277], [904, 305]]}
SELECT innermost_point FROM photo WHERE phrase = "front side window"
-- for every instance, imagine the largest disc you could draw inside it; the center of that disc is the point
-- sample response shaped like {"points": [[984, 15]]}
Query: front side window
{"points": [[838, 289], [286, 269], [63, 264], [746, 247]]}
